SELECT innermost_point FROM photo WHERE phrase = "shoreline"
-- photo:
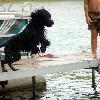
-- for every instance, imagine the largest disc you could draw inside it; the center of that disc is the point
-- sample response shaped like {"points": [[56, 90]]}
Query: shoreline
{"points": [[31, 1], [21, 1]]}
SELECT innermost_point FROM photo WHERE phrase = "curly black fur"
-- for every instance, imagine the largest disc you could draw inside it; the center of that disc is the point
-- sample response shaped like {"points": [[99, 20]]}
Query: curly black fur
{"points": [[28, 40]]}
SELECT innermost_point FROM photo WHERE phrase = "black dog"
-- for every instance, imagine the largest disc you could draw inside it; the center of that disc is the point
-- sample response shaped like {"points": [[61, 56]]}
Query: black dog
{"points": [[28, 40]]}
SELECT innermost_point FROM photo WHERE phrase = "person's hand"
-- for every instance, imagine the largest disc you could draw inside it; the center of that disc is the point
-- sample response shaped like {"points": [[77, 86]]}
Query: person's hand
{"points": [[88, 20]]}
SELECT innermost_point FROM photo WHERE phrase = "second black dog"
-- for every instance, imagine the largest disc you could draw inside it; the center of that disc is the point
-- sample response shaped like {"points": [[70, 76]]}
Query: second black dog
{"points": [[28, 40]]}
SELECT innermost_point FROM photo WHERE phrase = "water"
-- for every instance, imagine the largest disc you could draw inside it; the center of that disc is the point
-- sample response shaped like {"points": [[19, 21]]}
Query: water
{"points": [[68, 35]]}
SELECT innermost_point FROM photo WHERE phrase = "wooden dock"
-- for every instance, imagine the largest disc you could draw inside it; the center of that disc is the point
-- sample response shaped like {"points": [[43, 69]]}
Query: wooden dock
{"points": [[43, 65]]}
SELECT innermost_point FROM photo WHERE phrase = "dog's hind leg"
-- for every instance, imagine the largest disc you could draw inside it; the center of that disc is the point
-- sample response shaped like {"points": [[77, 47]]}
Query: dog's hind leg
{"points": [[3, 67], [13, 68], [11, 56], [16, 57]]}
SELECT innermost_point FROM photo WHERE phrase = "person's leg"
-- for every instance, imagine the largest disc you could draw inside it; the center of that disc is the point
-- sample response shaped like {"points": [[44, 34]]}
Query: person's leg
{"points": [[94, 35]]}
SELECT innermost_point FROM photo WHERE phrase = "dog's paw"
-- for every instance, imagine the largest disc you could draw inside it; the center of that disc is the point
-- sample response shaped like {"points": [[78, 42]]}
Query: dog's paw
{"points": [[4, 70], [15, 69]]}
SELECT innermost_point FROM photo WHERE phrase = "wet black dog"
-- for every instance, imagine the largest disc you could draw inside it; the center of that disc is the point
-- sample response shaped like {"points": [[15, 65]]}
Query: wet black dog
{"points": [[28, 40]]}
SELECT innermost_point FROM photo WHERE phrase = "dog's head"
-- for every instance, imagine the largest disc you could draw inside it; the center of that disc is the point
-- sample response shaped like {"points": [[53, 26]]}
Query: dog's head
{"points": [[42, 17]]}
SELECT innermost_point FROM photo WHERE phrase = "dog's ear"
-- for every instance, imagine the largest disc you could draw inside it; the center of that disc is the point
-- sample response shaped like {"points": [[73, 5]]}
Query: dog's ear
{"points": [[32, 14]]}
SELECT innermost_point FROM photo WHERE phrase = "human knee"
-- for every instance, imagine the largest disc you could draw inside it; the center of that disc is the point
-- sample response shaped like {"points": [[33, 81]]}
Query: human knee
{"points": [[94, 34]]}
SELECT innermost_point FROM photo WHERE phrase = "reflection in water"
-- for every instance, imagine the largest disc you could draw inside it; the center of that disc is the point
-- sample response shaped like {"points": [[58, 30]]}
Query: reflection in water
{"points": [[69, 85]]}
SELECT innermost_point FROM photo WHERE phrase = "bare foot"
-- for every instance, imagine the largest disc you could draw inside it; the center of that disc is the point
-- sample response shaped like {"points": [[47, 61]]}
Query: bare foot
{"points": [[94, 56], [90, 56]]}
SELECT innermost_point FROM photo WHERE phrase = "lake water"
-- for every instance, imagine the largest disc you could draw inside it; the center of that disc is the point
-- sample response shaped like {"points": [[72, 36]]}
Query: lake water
{"points": [[68, 35]]}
